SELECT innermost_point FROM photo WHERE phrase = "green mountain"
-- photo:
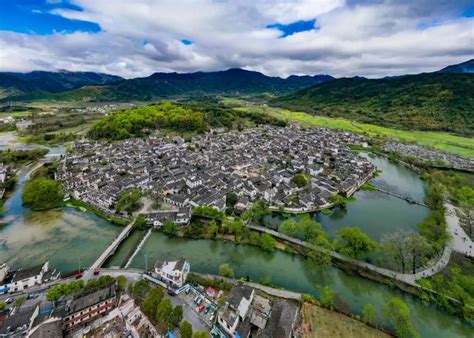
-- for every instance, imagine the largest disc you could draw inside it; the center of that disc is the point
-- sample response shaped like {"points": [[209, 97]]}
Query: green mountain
{"points": [[465, 67], [42, 83], [429, 101], [165, 85]]}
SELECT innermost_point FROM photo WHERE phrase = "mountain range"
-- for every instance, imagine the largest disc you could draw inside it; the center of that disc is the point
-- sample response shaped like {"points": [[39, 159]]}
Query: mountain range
{"points": [[101, 87], [440, 100]]}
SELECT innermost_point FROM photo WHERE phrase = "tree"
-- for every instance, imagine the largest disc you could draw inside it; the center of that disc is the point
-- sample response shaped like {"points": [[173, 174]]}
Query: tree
{"points": [[140, 223], [354, 242], [369, 313], [394, 248], [121, 283], [235, 227], [176, 316], [257, 211], [170, 228], [212, 229], [266, 280], [151, 302], [200, 334], [128, 200], [231, 199], [327, 296], [226, 271], [267, 242], [186, 330], [19, 301], [140, 290], [164, 310], [300, 180], [42, 194], [319, 259], [338, 200], [418, 250], [398, 313], [3, 305]]}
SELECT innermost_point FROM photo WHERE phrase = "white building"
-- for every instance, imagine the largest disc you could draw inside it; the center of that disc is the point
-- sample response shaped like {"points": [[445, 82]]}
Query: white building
{"points": [[235, 309], [173, 273], [27, 278]]}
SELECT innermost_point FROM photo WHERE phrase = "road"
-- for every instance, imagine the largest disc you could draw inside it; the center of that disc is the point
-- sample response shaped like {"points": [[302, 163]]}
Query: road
{"points": [[460, 241]]}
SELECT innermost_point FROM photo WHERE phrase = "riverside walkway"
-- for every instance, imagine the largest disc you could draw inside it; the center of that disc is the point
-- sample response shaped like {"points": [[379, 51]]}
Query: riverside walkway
{"points": [[408, 278]]}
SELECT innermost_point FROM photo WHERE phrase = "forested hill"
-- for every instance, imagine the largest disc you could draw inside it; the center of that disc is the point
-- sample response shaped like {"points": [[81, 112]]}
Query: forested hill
{"points": [[165, 85], [429, 101], [16, 84]]}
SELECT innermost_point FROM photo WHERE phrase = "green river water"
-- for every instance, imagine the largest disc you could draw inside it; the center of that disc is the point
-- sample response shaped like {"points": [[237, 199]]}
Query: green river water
{"points": [[70, 238]]}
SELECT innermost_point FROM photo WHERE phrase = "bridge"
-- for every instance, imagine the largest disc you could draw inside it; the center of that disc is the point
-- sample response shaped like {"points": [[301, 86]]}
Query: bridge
{"points": [[110, 250], [403, 197]]}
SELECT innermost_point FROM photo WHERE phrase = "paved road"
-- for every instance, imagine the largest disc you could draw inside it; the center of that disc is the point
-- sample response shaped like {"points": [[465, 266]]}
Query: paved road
{"points": [[460, 241]]}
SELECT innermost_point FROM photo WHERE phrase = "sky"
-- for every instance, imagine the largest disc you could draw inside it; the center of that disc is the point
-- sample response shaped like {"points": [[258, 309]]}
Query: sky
{"points": [[372, 38]]}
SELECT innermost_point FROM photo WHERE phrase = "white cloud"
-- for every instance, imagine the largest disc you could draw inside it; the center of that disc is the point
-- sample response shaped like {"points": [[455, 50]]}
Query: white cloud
{"points": [[368, 38]]}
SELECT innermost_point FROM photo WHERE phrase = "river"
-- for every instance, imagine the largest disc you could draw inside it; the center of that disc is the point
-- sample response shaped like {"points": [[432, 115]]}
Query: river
{"points": [[70, 238]]}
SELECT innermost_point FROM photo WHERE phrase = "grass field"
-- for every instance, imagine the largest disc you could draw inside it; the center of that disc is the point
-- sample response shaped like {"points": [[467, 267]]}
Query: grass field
{"points": [[322, 323], [443, 141]]}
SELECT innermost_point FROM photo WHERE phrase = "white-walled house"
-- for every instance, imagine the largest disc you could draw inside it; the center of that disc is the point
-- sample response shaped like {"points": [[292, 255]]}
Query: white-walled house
{"points": [[172, 273], [235, 309]]}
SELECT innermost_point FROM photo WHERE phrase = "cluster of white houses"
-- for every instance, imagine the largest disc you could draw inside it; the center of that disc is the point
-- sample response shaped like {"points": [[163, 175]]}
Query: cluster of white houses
{"points": [[23, 279], [257, 163]]}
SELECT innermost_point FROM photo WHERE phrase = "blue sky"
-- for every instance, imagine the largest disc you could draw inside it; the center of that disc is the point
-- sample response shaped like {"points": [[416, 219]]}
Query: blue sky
{"points": [[34, 16], [372, 38]]}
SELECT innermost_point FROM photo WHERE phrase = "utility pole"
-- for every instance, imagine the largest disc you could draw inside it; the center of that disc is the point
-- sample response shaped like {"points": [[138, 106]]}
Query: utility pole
{"points": [[146, 263]]}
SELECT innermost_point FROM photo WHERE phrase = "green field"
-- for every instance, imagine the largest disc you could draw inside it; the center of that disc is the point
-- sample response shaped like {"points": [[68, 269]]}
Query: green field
{"points": [[443, 141]]}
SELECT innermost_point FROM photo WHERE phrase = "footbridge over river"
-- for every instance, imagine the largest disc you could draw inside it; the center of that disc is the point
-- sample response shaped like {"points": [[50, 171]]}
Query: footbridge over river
{"points": [[110, 250], [403, 197]]}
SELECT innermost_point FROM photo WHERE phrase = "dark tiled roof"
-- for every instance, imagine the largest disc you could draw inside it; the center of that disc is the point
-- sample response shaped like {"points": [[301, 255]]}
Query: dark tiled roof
{"points": [[283, 317], [27, 273], [239, 291], [91, 297], [18, 320]]}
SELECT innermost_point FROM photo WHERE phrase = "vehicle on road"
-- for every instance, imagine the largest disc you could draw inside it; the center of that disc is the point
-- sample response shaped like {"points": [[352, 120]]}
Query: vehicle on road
{"points": [[8, 301]]}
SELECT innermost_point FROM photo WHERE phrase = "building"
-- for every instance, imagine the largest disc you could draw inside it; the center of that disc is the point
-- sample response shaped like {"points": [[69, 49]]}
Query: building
{"points": [[26, 278], [172, 273], [90, 305], [235, 309], [18, 323]]}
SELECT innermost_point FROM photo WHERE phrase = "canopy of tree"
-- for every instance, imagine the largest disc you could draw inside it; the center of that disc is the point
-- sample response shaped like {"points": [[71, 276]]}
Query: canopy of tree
{"points": [[42, 194], [134, 122], [19, 157], [354, 242]]}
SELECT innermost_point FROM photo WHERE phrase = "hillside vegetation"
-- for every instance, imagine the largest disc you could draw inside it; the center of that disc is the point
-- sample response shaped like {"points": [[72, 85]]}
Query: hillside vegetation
{"points": [[434, 101], [184, 118], [135, 122]]}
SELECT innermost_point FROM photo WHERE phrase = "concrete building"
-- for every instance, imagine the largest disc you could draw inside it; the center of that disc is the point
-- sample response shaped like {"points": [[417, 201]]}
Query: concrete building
{"points": [[172, 273]]}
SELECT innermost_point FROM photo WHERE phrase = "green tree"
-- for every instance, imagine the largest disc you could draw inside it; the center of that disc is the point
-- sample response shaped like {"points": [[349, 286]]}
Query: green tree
{"points": [[267, 242], [42, 194], [226, 271], [212, 229], [121, 283], [176, 316], [151, 302], [266, 280], [186, 330], [231, 199], [3, 305], [257, 211], [327, 296], [140, 223], [140, 290], [128, 201], [398, 313], [164, 310], [354, 242], [19, 301], [419, 250], [200, 334], [300, 180], [369, 313], [395, 249], [170, 228], [338, 200]]}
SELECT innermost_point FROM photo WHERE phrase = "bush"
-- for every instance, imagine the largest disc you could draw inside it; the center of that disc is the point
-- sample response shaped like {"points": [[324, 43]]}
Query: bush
{"points": [[226, 271]]}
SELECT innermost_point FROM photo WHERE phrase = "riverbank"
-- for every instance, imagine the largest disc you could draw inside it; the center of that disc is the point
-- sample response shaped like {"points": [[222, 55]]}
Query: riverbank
{"points": [[83, 206]]}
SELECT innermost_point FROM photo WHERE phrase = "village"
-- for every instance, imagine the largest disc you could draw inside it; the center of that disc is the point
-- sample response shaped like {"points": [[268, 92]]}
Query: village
{"points": [[102, 305], [293, 169]]}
